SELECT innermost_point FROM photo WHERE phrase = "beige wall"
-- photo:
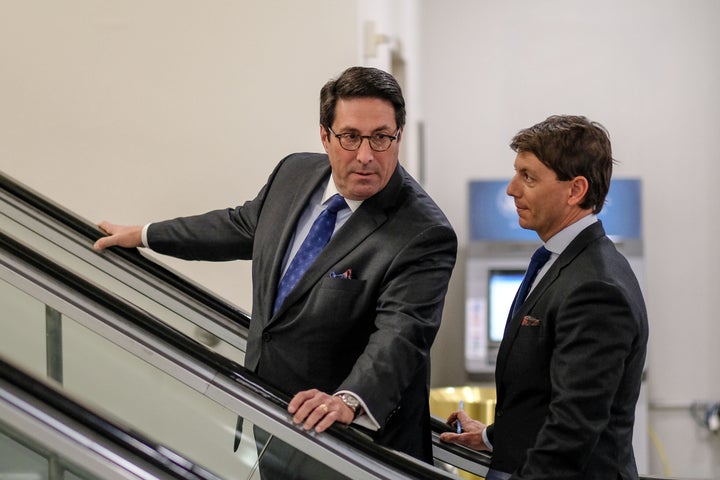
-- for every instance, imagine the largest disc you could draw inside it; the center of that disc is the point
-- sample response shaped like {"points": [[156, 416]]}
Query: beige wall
{"points": [[134, 111]]}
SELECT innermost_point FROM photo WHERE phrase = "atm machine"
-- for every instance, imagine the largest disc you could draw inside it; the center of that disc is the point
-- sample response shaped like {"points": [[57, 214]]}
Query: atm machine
{"points": [[498, 253]]}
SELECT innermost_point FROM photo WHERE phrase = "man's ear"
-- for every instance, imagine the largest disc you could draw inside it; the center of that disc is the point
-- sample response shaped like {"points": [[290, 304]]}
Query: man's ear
{"points": [[578, 190], [324, 138]]}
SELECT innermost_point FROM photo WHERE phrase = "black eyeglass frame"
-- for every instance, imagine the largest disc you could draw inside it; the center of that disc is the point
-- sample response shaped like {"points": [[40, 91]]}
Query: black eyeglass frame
{"points": [[340, 137]]}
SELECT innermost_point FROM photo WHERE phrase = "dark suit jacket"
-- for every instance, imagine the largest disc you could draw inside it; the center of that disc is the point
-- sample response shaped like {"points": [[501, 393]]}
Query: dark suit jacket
{"points": [[567, 385], [371, 334]]}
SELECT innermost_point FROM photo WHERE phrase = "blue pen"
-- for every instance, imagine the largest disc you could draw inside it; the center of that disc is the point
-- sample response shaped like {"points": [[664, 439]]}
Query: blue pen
{"points": [[458, 425]]}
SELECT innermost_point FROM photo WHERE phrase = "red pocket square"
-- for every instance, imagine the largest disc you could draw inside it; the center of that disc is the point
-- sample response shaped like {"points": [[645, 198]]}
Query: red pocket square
{"points": [[529, 321]]}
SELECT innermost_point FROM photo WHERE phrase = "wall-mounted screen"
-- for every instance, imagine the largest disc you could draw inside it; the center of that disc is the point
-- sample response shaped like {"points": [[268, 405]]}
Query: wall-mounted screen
{"points": [[502, 287]]}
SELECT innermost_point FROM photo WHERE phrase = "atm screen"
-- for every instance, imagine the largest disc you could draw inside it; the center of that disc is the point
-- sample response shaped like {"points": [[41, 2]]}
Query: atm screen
{"points": [[502, 287]]}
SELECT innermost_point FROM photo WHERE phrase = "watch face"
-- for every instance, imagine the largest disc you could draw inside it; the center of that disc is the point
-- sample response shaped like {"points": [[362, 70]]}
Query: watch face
{"points": [[350, 401]]}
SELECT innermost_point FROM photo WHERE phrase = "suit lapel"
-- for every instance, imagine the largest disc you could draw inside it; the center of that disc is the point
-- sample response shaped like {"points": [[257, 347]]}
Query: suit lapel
{"points": [[316, 175], [352, 233], [579, 243], [362, 223]]}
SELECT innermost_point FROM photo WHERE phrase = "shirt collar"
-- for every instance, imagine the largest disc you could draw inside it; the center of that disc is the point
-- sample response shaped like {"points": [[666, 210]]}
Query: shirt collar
{"points": [[331, 189], [558, 242]]}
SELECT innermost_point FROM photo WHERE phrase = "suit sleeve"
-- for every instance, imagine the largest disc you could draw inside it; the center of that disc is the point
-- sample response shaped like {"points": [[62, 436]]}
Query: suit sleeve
{"points": [[408, 314], [219, 235]]}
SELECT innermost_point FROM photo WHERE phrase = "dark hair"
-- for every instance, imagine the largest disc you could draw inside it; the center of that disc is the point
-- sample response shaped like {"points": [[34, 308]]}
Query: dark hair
{"points": [[358, 82], [572, 146]]}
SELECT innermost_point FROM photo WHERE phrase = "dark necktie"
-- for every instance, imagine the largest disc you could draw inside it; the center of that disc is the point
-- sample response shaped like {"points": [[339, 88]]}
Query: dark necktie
{"points": [[318, 236], [539, 258]]}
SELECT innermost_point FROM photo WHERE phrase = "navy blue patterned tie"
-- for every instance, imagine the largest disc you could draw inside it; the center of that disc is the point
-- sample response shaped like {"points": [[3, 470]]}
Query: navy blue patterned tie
{"points": [[539, 258], [318, 236]]}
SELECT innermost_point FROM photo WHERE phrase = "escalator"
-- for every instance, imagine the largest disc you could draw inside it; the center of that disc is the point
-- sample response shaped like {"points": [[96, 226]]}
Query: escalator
{"points": [[142, 347], [135, 371], [45, 434]]}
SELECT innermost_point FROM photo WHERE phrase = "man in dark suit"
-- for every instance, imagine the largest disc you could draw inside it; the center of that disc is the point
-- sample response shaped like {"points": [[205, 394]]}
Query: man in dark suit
{"points": [[351, 341], [569, 367]]}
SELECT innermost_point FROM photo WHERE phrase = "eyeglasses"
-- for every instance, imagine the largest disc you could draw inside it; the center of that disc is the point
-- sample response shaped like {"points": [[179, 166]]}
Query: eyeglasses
{"points": [[379, 142]]}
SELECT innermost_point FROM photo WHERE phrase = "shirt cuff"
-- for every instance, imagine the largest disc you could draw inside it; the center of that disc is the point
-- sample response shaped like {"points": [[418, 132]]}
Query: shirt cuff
{"points": [[144, 236], [364, 418], [486, 440]]}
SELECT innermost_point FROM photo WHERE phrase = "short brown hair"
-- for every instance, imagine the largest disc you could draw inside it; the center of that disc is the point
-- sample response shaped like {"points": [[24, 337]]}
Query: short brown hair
{"points": [[358, 82], [572, 146]]}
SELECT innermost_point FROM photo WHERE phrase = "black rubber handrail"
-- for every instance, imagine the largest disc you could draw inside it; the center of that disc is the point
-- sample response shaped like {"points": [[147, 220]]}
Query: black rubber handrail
{"points": [[128, 440], [438, 426], [91, 233]]}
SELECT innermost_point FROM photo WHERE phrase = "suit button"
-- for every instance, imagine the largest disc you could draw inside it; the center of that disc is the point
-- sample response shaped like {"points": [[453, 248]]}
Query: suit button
{"points": [[266, 336], [499, 413]]}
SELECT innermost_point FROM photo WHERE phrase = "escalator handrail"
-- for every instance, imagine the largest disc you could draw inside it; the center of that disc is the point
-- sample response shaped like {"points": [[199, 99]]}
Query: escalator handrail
{"points": [[89, 231], [129, 440], [139, 318], [438, 427]]}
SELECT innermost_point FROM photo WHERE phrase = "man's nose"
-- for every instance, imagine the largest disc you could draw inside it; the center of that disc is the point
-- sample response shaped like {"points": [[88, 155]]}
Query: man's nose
{"points": [[511, 188], [364, 153]]}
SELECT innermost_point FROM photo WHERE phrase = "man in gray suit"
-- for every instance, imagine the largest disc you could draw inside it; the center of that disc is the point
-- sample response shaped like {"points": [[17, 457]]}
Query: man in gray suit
{"points": [[351, 341], [570, 364]]}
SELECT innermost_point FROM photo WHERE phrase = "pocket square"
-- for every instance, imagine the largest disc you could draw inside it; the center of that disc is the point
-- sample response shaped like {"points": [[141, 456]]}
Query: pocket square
{"points": [[347, 274], [529, 321]]}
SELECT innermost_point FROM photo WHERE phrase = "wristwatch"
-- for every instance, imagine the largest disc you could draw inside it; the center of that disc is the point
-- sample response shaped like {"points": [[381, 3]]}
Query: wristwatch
{"points": [[351, 402]]}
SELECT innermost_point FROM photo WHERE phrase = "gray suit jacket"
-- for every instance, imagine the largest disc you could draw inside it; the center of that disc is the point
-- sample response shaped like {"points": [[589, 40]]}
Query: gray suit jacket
{"points": [[569, 369], [371, 334]]}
